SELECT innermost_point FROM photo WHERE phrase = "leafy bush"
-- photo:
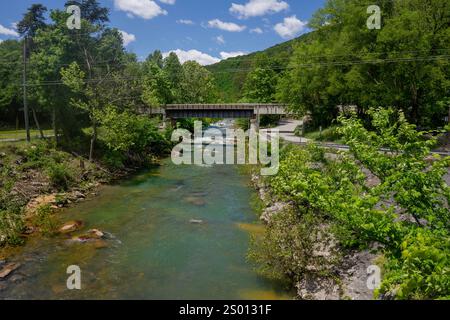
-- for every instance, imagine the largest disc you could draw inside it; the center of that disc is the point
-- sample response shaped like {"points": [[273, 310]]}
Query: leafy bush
{"points": [[129, 136], [44, 219], [60, 175], [11, 225]]}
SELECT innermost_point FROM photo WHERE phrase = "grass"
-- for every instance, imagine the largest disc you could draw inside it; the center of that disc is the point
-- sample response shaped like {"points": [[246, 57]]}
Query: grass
{"points": [[329, 134], [21, 134]]}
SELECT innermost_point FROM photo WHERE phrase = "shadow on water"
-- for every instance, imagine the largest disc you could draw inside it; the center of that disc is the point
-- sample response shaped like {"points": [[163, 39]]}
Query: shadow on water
{"points": [[172, 232]]}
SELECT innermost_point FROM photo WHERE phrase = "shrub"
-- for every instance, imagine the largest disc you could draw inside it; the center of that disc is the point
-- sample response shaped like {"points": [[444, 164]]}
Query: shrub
{"points": [[60, 175], [44, 219]]}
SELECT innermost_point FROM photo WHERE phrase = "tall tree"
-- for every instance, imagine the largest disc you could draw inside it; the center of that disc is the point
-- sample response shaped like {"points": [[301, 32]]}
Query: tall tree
{"points": [[157, 58], [261, 83], [32, 21], [197, 85], [174, 72], [91, 11]]}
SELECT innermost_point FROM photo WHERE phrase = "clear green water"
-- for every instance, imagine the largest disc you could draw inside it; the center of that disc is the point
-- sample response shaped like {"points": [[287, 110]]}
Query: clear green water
{"points": [[154, 251]]}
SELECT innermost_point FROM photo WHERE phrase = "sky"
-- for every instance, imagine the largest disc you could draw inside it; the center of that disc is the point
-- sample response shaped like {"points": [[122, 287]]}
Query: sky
{"points": [[203, 30]]}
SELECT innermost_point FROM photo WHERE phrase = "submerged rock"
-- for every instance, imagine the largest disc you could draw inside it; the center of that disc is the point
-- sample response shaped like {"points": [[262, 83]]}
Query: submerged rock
{"points": [[71, 226], [195, 201], [91, 235], [8, 269], [195, 221]]}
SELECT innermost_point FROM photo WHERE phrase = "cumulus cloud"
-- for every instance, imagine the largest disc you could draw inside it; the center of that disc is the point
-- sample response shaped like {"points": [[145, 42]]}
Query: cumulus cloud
{"points": [[146, 9], [256, 30], [193, 55], [227, 55], [168, 1], [202, 58], [256, 8], [290, 27], [8, 32], [226, 26], [127, 37], [185, 21]]}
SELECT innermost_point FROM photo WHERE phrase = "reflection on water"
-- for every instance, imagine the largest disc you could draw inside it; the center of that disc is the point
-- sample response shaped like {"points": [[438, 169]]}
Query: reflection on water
{"points": [[153, 250]]}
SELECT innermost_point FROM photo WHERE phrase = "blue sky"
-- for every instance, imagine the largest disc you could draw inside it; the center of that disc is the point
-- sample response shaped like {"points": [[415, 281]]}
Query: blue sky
{"points": [[204, 30]]}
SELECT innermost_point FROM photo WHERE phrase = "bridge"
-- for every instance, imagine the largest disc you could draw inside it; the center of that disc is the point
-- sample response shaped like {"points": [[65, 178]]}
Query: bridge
{"points": [[252, 111]]}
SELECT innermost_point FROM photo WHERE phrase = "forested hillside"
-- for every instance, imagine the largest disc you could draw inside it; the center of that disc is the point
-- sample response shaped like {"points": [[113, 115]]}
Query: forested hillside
{"points": [[230, 74]]}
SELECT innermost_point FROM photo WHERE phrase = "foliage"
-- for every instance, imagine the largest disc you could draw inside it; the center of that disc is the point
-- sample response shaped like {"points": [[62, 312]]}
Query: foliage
{"points": [[128, 135], [44, 219], [231, 74], [406, 211], [60, 176], [403, 64], [260, 85]]}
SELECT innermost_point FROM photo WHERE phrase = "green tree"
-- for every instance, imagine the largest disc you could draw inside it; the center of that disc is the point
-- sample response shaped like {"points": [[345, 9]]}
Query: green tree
{"points": [[157, 58], [174, 72], [197, 84], [261, 83], [157, 87]]}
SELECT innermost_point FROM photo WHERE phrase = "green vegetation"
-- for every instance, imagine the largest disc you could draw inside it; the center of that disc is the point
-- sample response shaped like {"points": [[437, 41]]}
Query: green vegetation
{"points": [[232, 73], [404, 64], [330, 134], [396, 199], [21, 134]]}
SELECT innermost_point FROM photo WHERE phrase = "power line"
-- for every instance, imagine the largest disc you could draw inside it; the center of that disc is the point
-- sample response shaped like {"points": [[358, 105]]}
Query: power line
{"points": [[306, 65]]}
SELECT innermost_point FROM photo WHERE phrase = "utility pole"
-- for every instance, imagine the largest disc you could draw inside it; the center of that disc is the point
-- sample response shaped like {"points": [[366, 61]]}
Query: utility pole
{"points": [[25, 104]]}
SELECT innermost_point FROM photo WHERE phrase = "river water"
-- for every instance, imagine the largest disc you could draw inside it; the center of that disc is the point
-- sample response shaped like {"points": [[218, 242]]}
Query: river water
{"points": [[153, 251]]}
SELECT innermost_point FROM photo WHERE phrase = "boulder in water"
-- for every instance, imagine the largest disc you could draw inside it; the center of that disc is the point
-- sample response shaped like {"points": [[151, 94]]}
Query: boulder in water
{"points": [[91, 235], [71, 226]]}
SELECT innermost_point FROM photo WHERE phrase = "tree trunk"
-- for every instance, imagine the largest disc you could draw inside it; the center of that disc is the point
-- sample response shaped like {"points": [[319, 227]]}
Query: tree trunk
{"points": [[37, 123], [93, 140], [55, 130]]}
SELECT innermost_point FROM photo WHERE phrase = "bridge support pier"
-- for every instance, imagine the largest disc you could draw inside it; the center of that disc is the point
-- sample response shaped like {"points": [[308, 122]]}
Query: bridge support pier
{"points": [[255, 122]]}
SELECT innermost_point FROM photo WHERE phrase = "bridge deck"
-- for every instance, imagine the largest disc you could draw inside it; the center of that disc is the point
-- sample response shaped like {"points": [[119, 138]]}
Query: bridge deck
{"points": [[223, 110]]}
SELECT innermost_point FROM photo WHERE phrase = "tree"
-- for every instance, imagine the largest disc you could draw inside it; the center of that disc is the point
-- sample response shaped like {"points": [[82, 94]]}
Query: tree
{"points": [[261, 83], [10, 80], [174, 72], [91, 11], [32, 21], [157, 87], [157, 58], [197, 84]]}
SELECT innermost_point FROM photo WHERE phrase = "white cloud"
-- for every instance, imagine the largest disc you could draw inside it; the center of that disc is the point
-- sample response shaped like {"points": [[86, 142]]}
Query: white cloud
{"points": [[193, 55], [290, 27], [220, 40], [8, 32], [146, 9], [256, 30], [256, 8], [202, 58], [168, 1], [185, 21], [227, 55], [226, 26], [127, 37]]}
